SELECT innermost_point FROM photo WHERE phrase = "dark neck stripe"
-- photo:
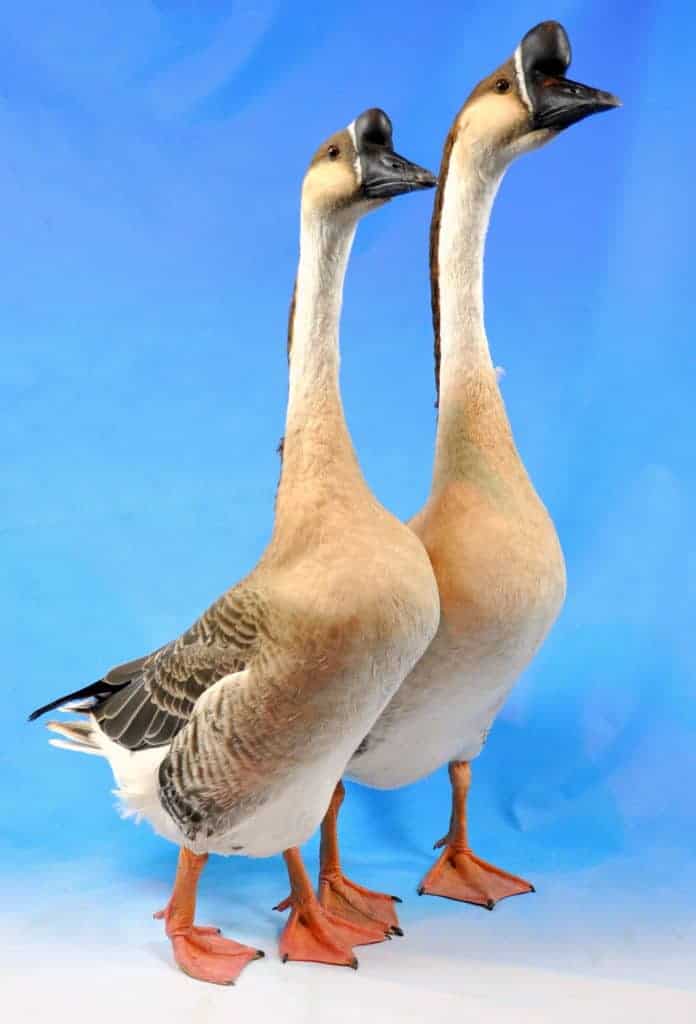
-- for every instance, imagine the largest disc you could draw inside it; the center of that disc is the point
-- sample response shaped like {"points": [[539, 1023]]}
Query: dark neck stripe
{"points": [[434, 245], [291, 329], [291, 318]]}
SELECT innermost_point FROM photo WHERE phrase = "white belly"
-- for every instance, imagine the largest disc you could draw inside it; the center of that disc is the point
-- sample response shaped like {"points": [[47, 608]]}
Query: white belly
{"points": [[446, 706], [283, 817], [286, 818]]}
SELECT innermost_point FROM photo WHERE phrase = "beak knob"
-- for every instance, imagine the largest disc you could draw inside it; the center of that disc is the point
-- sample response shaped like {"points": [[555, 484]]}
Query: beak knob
{"points": [[373, 126], [556, 101], [546, 48]]}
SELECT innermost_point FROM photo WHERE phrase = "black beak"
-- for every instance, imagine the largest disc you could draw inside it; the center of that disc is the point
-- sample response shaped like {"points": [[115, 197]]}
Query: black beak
{"points": [[383, 173], [556, 101], [560, 102], [386, 174]]}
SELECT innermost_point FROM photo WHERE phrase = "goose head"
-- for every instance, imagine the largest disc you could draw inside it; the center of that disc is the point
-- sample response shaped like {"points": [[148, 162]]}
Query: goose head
{"points": [[528, 100], [357, 170]]}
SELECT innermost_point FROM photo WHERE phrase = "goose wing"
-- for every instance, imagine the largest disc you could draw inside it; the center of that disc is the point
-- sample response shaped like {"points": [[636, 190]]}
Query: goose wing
{"points": [[151, 708], [146, 702], [203, 780], [159, 698]]}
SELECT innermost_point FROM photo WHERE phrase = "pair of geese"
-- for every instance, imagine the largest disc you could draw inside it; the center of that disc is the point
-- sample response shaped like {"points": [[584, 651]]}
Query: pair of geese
{"points": [[358, 645]]}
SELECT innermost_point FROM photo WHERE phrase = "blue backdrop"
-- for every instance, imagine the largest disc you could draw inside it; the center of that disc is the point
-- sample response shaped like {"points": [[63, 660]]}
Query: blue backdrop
{"points": [[152, 154]]}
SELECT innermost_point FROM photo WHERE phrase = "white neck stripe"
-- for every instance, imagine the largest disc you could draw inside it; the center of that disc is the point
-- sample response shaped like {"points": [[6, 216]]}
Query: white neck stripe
{"points": [[521, 81], [356, 161]]}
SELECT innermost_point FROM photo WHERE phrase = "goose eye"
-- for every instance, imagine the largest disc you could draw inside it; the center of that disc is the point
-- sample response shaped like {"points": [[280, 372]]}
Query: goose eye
{"points": [[333, 152], [502, 85]]}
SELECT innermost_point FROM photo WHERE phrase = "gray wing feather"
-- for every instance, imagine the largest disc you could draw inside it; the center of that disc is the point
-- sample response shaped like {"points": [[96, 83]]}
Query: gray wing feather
{"points": [[162, 688], [197, 776], [128, 670]]}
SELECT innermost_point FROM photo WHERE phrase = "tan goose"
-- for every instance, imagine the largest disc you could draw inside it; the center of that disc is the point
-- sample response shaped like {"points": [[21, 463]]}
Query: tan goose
{"points": [[494, 549], [231, 738]]}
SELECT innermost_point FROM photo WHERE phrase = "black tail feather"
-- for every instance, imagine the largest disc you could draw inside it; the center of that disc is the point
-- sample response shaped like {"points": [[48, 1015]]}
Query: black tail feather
{"points": [[99, 691]]}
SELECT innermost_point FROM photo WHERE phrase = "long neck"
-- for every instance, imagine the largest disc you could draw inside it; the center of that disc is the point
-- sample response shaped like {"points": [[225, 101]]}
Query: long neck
{"points": [[317, 449], [471, 412]]}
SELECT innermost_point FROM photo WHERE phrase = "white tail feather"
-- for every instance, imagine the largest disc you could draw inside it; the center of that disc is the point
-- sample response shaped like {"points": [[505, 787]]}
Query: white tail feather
{"points": [[81, 748], [81, 733], [135, 771]]}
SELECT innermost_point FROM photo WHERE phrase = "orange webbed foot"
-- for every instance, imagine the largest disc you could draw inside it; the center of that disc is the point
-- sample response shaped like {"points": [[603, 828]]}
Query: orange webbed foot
{"points": [[211, 957], [203, 953], [352, 902], [313, 934], [459, 874]]}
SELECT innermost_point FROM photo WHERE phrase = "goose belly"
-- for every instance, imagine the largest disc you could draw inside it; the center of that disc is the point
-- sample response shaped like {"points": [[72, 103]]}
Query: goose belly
{"points": [[285, 808], [279, 816], [290, 813], [443, 710], [285, 816]]}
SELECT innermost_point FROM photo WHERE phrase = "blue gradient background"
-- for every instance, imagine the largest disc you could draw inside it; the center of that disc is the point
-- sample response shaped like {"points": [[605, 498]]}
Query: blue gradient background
{"points": [[151, 159]]}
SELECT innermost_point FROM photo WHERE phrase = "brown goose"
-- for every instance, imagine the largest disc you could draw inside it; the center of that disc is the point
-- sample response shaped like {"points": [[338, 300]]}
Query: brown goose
{"points": [[493, 547], [230, 739]]}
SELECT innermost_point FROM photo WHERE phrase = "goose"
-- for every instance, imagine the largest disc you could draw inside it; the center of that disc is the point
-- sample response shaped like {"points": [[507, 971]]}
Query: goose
{"points": [[496, 555], [230, 739]]}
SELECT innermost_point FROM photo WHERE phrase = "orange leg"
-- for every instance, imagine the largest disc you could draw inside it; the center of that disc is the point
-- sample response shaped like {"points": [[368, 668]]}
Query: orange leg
{"points": [[459, 874], [315, 934], [200, 952], [337, 893]]}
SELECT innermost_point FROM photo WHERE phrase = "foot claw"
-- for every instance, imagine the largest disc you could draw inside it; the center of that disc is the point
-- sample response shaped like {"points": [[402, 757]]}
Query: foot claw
{"points": [[372, 910], [395, 930]]}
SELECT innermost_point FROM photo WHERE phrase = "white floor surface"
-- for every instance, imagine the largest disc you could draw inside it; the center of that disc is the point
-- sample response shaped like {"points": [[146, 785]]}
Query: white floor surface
{"points": [[91, 953]]}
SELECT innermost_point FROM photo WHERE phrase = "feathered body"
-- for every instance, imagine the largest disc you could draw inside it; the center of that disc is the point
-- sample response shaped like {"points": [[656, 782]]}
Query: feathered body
{"points": [[231, 738], [265, 698], [501, 575], [493, 546]]}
